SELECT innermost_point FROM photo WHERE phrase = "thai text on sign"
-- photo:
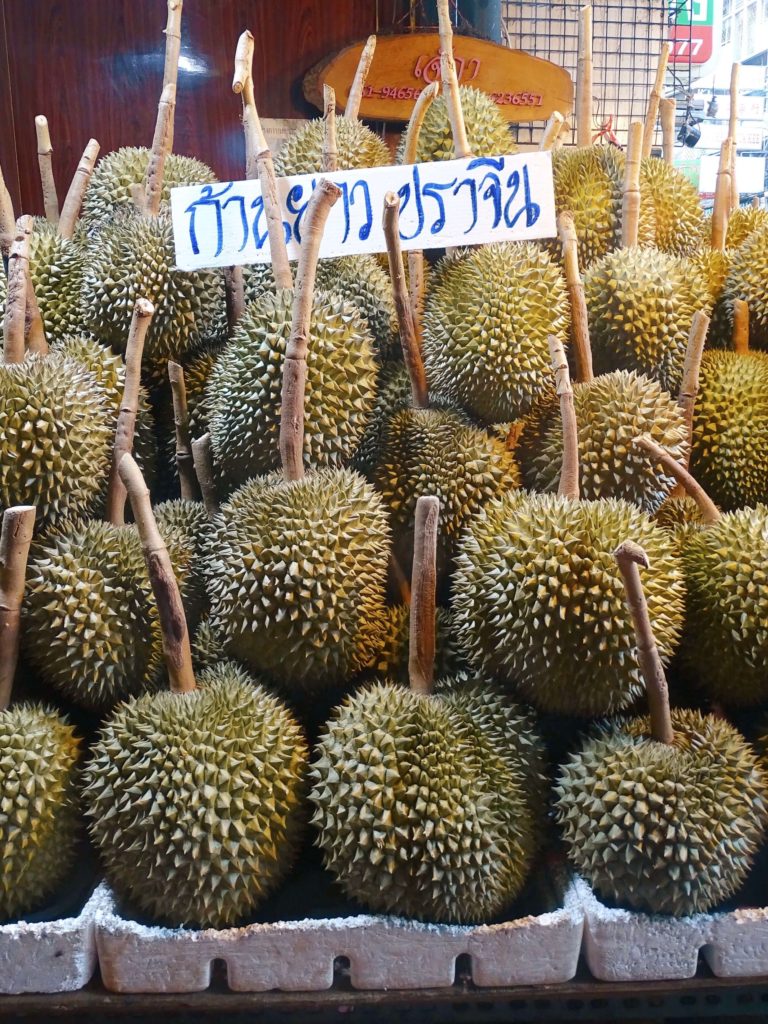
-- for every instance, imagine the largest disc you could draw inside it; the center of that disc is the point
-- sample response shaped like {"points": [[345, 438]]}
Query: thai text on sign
{"points": [[450, 203]]}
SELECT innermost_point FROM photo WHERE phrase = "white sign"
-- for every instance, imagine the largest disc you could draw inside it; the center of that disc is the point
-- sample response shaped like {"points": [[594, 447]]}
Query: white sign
{"points": [[450, 203]]}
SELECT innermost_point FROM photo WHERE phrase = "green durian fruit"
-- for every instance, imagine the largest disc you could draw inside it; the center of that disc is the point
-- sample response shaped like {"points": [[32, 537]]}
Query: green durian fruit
{"points": [[742, 222], [195, 800], [611, 410], [39, 806], [391, 662], [487, 130], [748, 280], [539, 601], [357, 146], [714, 265], [729, 455], [207, 646], [56, 268], [109, 190], [393, 394], [297, 576], [640, 304], [666, 829], [677, 211], [245, 386], [57, 432], [486, 326], [676, 515]]}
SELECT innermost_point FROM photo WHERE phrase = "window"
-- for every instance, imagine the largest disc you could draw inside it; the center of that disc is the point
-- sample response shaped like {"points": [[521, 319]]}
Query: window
{"points": [[727, 29]]}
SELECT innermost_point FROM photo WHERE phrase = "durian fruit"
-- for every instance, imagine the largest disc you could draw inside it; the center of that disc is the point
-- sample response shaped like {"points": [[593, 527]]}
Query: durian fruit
{"points": [[358, 147], [391, 662], [677, 211], [486, 325], [742, 222], [676, 513], [207, 646], [393, 393], [715, 265], [487, 130], [185, 525], [665, 813], [56, 268], [748, 280]]}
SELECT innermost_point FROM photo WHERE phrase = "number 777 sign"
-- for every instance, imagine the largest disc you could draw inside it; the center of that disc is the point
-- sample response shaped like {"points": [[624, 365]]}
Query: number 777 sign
{"points": [[691, 35]]}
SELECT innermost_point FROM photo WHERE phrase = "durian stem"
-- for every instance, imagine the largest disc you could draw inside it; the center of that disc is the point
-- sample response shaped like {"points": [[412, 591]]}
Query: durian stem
{"points": [[70, 211], [582, 349], [184, 463], [15, 538], [202, 456], [16, 299], [755, 202], [693, 489], [352, 109], [143, 312], [552, 131], [34, 329], [330, 146], [740, 333], [7, 218], [416, 288], [584, 79], [138, 197], [569, 474], [722, 197], [654, 99], [173, 622], [732, 121], [172, 51], [425, 100], [629, 557], [258, 162], [161, 148], [450, 81], [409, 337], [400, 579], [45, 163], [668, 108], [234, 291], [689, 388], [295, 365], [630, 206], [421, 646]]}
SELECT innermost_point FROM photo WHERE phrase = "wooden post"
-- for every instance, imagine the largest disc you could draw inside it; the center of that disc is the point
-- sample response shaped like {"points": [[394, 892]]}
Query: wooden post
{"points": [[184, 463], [630, 207], [172, 51], [161, 148], [740, 334], [70, 211], [16, 298], [582, 349], [733, 200], [352, 108], [202, 456], [584, 79], [722, 197], [15, 538], [551, 131], [330, 146], [654, 99], [451, 83], [421, 646], [425, 100], [693, 489], [668, 110], [45, 162], [569, 474]]}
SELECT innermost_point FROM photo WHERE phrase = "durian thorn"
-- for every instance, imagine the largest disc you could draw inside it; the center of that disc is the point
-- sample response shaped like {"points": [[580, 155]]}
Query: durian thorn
{"points": [[16, 298], [295, 364], [584, 78], [416, 288], [552, 130], [421, 106], [709, 511], [450, 81], [668, 110], [45, 163], [400, 579], [172, 51], [7, 219], [409, 338], [187, 479], [732, 121], [143, 311], [234, 291], [352, 108], [652, 111], [73, 200], [173, 623], [202, 456], [569, 474], [582, 349], [161, 148], [15, 538], [689, 387], [740, 333], [330, 146], [722, 196], [421, 646], [630, 204], [630, 557]]}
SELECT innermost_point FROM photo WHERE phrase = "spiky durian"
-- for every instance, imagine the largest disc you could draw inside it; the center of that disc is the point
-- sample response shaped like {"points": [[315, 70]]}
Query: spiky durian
{"points": [[742, 222], [729, 454], [195, 800], [486, 326], [715, 265], [393, 393], [357, 146], [663, 828], [109, 189], [207, 646], [611, 410], [39, 807], [539, 601], [641, 303], [678, 513], [487, 130], [190, 526], [677, 211], [245, 386], [391, 662], [748, 280]]}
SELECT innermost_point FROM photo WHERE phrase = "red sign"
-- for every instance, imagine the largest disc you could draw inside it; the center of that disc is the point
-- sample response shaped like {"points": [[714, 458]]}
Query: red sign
{"points": [[690, 43]]}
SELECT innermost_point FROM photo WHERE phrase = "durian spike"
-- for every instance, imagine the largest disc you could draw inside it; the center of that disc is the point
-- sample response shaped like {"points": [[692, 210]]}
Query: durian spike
{"points": [[330, 145], [552, 131], [187, 479], [569, 474], [400, 579], [15, 538], [161, 148], [70, 211], [451, 83], [421, 645], [732, 121], [143, 312], [709, 511], [425, 100], [7, 218], [629, 557], [582, 350], [584, 79], [409, 337], [352, 108], [295, 365], [172, 33], [173, 622], [202, 456], [258, 161], [45, 162], [234, 291], [689, 386], [416, 287], [16, 298], [630, 204], [740, 333], [722, 197], [668, 109], [652, 111]]}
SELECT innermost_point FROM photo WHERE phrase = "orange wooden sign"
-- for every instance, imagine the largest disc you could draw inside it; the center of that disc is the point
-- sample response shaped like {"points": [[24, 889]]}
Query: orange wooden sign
{"points": [[526, 88]]}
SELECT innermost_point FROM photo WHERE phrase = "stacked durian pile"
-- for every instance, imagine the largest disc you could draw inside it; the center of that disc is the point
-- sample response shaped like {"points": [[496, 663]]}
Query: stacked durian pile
{"points": [[345, 475]]}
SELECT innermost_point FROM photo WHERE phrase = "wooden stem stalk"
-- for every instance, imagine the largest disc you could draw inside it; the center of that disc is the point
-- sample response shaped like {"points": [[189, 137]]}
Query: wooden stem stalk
{"points": [[173, 622], [425, 100], [668, 108], [421, 647], [693, 489], [16, 299], [584, 79], [70, 211], [202, 457], [161, 148], [654, 99], [732, 124], [629, 557], [451, 83], [352, 108], [15, 538], [34, 328], [7, 218], [184, 462], [552, 131], [45, 162], [330, 145], [582, 349], [138, 197], [234, 291], [416, 286], [409, 337], [569, 474], [143, 311], [630, 207], [722, 197], [740, 333], [689, 388], [295, 366], [172, 52]]}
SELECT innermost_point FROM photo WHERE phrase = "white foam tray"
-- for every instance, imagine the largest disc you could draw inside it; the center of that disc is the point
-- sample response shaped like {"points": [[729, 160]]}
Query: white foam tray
{"points": [[298, 956], [50, 956]]}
